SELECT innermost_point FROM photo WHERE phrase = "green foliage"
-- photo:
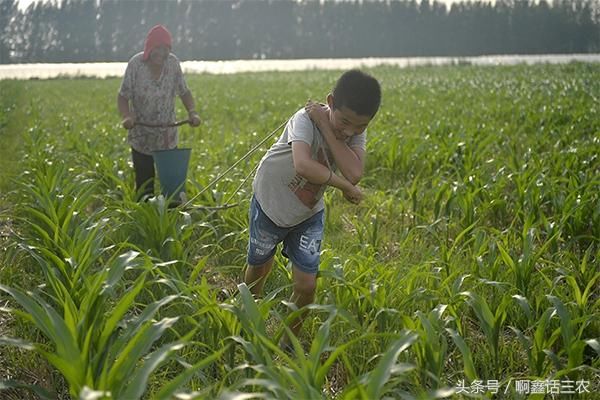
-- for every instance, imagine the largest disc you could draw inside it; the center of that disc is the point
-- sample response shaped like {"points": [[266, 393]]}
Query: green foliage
{"points": [[473, 256]]}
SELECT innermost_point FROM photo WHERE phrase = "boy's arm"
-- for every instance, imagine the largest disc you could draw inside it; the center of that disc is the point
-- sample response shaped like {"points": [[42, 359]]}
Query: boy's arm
{"points": [[318, 174], [349, 160]]}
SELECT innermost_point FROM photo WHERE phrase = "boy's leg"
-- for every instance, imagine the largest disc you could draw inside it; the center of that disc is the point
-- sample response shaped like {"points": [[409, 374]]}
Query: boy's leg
{"points": [[305, 285], [303, 247], [256, 275], [143, 166], [262, 243]]}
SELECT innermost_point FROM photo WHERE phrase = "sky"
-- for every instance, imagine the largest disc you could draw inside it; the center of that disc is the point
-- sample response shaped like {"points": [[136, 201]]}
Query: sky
{"points": [[23, 4]]}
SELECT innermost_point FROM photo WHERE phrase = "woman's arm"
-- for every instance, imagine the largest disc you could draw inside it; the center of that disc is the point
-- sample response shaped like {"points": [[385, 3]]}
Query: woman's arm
{"points": [[123, 106], [190, 106]]}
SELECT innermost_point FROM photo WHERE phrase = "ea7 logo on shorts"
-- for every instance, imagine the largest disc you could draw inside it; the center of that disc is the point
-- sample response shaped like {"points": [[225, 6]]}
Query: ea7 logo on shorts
{"points": [[309, 245]]}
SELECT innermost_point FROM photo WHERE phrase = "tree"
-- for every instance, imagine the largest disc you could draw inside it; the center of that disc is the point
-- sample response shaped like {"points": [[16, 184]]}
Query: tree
{"points": [[113, 30], [8, 10]]}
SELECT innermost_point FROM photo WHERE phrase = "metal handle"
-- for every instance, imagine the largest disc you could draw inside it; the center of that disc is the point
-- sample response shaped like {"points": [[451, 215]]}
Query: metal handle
{"points": [[171, 125]]}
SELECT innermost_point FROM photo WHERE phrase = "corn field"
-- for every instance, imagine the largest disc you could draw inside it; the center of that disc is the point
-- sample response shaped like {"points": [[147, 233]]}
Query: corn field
{"points": [[471, 268]]}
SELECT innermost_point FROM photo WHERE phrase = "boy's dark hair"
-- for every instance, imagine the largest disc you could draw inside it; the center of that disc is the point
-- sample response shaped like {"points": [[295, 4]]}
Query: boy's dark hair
{"points": [[358, 91]]}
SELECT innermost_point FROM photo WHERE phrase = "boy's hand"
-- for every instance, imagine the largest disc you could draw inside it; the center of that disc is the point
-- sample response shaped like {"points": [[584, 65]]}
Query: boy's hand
{"points": [[353, 194], [317, 112]]}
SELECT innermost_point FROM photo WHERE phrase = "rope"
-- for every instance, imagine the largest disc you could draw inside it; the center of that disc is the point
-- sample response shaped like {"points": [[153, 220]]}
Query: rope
{"points": [[241, 184], [322, 148], [244, 157]]}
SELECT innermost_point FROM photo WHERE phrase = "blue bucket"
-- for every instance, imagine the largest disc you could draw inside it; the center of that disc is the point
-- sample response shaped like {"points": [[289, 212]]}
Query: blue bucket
{"points": [[172, 166]]}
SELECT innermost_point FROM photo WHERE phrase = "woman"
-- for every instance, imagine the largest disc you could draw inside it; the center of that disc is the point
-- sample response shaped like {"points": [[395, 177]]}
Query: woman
{"points": [[152, 80]]}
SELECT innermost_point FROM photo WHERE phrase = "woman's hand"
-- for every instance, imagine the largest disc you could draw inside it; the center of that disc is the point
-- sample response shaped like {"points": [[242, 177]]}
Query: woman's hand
{"points": [[194, 118], [128, 123]]}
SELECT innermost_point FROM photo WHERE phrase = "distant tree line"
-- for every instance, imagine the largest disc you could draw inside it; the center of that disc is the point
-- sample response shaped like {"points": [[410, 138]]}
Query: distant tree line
{"points": [[111, 30]]}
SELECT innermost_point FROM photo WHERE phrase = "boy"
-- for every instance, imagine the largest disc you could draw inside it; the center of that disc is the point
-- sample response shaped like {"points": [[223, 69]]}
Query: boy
{"points": [[287, 205]]}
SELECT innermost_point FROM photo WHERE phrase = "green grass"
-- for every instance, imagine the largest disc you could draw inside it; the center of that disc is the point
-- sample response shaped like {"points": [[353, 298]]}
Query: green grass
{"points": [[474, 255]]}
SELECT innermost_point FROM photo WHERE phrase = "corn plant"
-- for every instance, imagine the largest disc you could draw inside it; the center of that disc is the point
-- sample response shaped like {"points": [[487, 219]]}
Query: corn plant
{"points": [[96, 345], [538, 346], [306, 374], [490, 322], [523, 265], [158, 230], [55, 203], [582, 282], [380, 381], [571, 331], [467, 355], [431, 348]]}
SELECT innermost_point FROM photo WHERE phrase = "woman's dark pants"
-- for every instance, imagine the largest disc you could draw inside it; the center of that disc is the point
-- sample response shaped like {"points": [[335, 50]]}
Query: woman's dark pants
{"points": [[143, 165]]}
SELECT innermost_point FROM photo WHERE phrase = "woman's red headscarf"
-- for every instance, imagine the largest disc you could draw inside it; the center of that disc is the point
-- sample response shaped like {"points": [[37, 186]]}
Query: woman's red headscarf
{"points": [[157, 36]]}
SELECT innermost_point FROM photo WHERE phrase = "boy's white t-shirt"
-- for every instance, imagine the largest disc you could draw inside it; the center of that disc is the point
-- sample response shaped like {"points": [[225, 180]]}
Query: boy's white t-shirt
{"points": [[285, 197]]}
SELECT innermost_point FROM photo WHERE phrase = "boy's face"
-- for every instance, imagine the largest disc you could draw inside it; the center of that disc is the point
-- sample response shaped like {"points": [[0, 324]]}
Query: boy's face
{"points": [[345, 122]]}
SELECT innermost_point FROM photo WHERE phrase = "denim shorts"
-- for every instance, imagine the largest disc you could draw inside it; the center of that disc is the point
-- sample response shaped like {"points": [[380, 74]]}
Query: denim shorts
{"points": [[301, 243]]}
